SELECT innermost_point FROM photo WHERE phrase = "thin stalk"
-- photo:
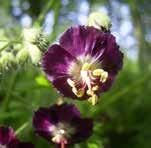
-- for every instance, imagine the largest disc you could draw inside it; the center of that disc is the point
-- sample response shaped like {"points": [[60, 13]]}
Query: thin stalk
{"points": [[55, 25], [21, 128], [42, 15], [8, 44]]}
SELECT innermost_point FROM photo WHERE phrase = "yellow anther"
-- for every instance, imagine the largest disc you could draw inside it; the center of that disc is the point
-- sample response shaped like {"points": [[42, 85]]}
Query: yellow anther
{"points": [[71, 83], [93, 100], [104, 77], [74, 90], [95, 88], [90, 92], [98, 72], [79, 93], [56, 139], [86, 66]]}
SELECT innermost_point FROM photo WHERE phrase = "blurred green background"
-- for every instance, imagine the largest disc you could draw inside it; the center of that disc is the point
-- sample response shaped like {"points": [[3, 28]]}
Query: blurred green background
{"points": [[123, 116]]}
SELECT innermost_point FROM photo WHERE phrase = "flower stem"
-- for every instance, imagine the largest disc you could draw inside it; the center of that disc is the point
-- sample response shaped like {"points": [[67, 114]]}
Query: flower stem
{"points": [[62, 144], [21, 128], [47, 8], [9, 43]]}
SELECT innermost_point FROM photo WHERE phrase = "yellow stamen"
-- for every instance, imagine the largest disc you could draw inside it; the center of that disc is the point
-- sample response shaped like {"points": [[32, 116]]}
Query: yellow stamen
{"points": [[104, 77], [79, 93], [56, 139], [90, 92], [98, 72], [71, 83], [74, 90], [95, 88], [93, 100], [86, 66]]}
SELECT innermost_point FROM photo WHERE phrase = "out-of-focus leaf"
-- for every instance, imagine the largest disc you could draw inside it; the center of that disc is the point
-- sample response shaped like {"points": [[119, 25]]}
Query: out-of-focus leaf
{"points": [[42, 81]]}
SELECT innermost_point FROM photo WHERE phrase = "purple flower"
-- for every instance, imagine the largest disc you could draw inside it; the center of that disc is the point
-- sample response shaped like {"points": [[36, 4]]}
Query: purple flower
{"points": [[9, 140], [84, 64], [62, 124]]}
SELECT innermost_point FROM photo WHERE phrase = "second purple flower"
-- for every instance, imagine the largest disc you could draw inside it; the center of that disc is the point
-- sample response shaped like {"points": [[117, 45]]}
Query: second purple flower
{"points": [[62, 124]]}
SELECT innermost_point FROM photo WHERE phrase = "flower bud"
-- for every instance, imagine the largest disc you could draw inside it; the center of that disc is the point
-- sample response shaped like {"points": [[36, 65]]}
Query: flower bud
{"points": [[3, 44], [7, 59], [42, 42], [17, 47], [36, 37], [30, 34], [22, 56], [34, 52], [99, 20]]}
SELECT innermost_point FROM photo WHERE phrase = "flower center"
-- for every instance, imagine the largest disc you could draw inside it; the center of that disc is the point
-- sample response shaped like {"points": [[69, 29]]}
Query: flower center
{"points": [[90, 76], [2, 146], [61, 133]]}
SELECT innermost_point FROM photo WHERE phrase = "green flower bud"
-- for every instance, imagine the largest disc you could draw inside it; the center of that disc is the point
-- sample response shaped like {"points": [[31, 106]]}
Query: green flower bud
{"points": [[22, 56], [99, 21], [3, 44], [17, 47], [34, 53], [42, 42], [30, 34], [36, 37], [7, 59]]}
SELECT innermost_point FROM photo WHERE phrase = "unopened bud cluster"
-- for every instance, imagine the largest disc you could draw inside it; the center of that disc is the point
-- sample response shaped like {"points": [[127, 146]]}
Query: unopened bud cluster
{"points": [[32, 45], [6, 60], [35, 42]]}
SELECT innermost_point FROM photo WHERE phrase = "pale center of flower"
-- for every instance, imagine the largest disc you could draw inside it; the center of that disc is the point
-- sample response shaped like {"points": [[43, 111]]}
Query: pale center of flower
{"points": [[61, 133], [90, 76], [3, 146]]}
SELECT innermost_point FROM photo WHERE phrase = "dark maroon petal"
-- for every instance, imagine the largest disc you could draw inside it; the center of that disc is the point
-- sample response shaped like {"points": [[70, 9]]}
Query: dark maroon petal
{"points": [[113, 58], [6, 135], [63, 87], [13, 143], [84, 129], [42, 122], [43, 119], [65, 112], [25, 145], [79, 40], [105, 86], [56, 61], [20, 145]]}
